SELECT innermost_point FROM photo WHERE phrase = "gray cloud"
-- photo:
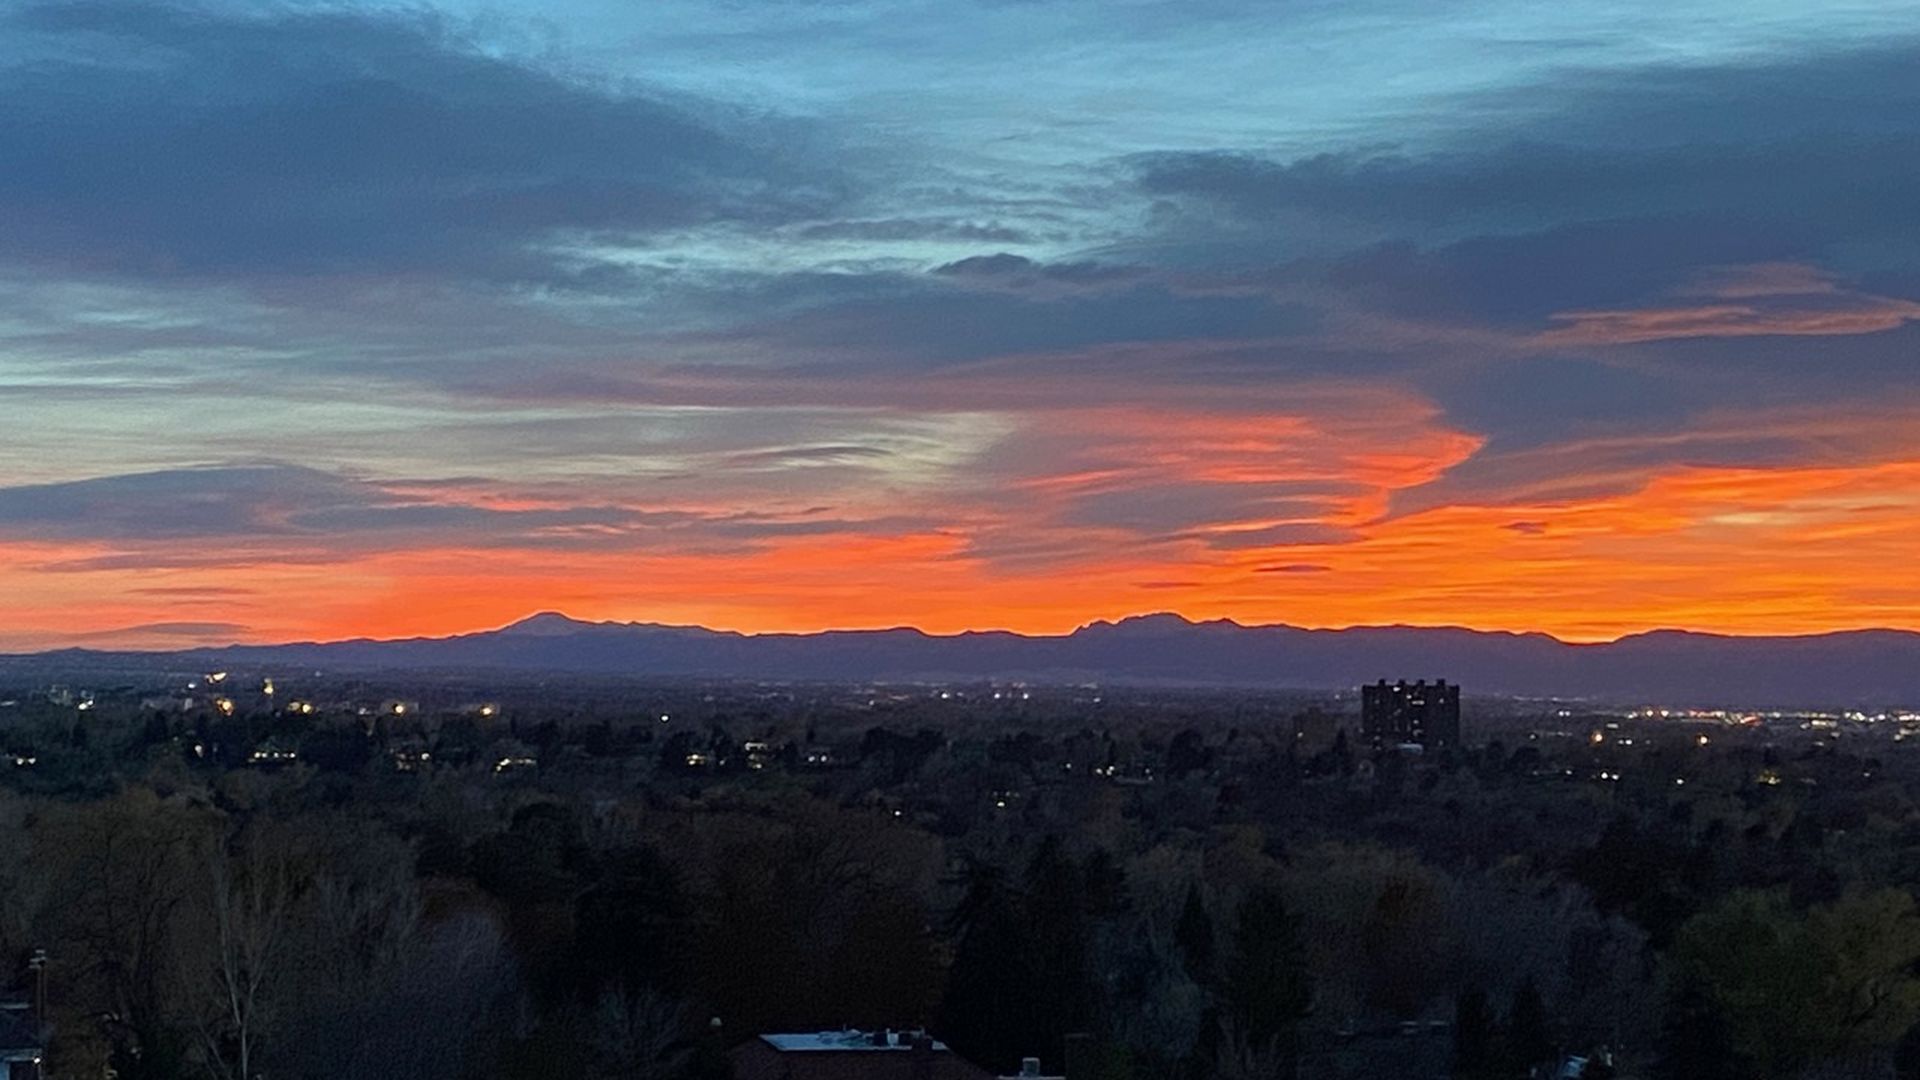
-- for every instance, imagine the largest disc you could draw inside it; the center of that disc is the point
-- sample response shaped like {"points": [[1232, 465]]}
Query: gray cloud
{"points": [[1176, 506], [1005, 269], [787, 456], [198, 631], [902, 229], [950, 318], [293, 514], [1617, 182], [172, 503], [166, 140]]}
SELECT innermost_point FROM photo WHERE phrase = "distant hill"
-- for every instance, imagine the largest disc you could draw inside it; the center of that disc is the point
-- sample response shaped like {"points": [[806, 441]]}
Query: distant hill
{"points": [[1866, 667]]}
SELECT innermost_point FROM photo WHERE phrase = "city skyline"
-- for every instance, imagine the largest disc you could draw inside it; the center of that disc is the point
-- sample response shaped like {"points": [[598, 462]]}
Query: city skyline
{"points": [[322, 321]]}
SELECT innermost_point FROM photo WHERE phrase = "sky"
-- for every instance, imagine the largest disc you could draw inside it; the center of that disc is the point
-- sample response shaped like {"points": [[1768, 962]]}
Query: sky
{"points": [[330, 320]]}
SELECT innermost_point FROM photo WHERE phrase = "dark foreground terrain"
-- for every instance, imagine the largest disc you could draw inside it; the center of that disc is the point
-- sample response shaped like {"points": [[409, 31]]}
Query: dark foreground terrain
{"points": [[431, 875]]}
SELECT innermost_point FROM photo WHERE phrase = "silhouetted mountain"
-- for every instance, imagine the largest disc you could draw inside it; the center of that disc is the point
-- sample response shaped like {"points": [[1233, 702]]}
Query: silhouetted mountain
{"points": [[1867, 666]]}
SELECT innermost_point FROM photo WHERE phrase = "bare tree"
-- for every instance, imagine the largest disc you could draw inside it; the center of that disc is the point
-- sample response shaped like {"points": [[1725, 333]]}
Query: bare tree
{"points": [[639, 1035], [1156, 1008], [115, 875], [248, 895], [1240, 1056], [425, 1016]]}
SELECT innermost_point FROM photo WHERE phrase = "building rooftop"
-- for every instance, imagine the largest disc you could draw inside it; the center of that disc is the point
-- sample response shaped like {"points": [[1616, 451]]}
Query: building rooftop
{"points": [[20, 1036], [850, 1039], [850, 1055]]}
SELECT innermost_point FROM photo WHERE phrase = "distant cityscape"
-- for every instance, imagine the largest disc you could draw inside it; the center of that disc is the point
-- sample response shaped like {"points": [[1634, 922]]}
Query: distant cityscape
{"points": [[971, 766], [1872, 672]]}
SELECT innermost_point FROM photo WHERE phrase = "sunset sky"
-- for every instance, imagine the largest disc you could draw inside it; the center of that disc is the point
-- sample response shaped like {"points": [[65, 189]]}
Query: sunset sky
{"points": [[353, 319]]}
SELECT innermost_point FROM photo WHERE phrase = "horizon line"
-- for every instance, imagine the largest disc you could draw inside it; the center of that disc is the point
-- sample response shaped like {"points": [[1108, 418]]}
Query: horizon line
{"points": [[552, 614]]}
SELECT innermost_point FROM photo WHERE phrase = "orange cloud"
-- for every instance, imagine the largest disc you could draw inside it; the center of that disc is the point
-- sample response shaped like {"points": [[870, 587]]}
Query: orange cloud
{"points": [[1728, 320], [1747, 301], [1272, 509], [1736, 550]]}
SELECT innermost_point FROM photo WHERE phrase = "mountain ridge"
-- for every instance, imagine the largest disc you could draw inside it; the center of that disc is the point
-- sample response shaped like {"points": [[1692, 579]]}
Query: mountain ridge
{"points": [[1872, 666]]}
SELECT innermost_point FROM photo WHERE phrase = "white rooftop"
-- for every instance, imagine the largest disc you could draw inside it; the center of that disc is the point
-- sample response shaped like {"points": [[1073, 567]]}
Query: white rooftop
{"points": [[842, 1040]]}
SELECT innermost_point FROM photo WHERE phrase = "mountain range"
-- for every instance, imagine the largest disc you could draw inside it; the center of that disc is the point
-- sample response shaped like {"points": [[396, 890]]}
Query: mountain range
{"points": [[1844, 669]]}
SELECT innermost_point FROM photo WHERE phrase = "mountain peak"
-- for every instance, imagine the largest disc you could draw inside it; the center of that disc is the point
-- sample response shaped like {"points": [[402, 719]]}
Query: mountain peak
{"points": [[547, 624], [1158, 622]]}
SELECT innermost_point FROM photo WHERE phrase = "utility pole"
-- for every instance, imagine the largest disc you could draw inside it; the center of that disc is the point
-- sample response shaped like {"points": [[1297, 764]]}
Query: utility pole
{"points": [[37, 963]]}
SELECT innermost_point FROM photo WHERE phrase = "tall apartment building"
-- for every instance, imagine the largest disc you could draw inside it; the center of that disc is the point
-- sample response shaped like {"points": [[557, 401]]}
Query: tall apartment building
{"points": [[1424, 713]]}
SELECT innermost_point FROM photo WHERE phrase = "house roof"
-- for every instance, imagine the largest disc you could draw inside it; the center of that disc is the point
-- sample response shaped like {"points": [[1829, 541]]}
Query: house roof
{"points": [[19, 1034], [848, 1055], [849, 1040]]}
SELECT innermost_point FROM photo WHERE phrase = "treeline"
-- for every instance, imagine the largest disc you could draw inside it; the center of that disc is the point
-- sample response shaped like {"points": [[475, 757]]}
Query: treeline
{"points": [[1199, 899]]}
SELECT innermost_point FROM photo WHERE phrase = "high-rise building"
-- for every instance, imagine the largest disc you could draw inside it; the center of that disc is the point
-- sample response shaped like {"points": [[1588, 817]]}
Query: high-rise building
{"points": [[1424, 713]]}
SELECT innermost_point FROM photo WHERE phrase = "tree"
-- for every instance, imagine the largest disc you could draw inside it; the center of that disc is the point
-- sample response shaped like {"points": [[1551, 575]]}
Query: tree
{"points": [[1268, 990], [1187, 753], [247, 897], [1529, 1040], [1643, 873], [1055, 910], [425, 1012], [884, 963], [1694, 1041], [985, 1014], [1796, 990], [117, 873], [1194, 935], [1022, 977], [1398, 941], [1474, 1032], [337, 749], [630, 926], [1152, 1007], [638, 1036], [1341, 753], [1379, 927]]}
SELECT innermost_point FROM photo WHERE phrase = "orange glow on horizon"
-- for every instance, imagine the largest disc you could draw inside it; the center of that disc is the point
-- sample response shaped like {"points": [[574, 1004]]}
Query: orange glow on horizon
{"points": [[1729, 550]]}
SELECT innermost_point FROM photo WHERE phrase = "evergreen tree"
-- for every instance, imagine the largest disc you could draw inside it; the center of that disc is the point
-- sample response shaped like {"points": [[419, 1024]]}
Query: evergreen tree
{"points": [[1529, 1042], [1194, 935], [1187, 753], [1056, 910], [1268, 991], [1342, 753], [1474, 1033], [1695, 1043], [988, 1013]]}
